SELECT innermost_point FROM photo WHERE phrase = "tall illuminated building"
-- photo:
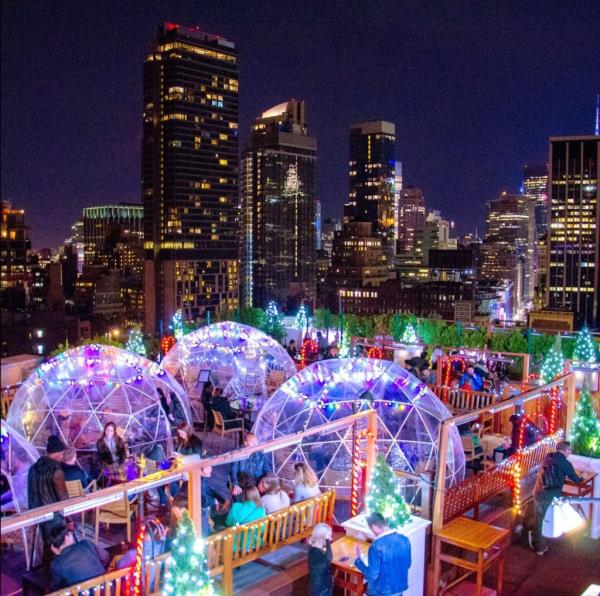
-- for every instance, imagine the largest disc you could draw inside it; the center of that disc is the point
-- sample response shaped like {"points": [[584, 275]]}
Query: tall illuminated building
{"points": [[189, 176], [279, 209], [535, 188], [411, 217], [375, 182], [509, 249], [574, 235]]}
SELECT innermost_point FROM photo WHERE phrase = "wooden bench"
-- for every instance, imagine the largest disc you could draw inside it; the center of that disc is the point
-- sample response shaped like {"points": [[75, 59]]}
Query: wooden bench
{"points": [[263, 536]]}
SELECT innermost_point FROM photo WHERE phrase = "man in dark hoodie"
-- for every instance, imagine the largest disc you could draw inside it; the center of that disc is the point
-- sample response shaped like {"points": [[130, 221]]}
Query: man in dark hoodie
{"points": [[555, 468], [46, 478]]}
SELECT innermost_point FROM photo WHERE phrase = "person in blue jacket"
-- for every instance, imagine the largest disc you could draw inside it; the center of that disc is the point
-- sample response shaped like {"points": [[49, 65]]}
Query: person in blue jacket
{"points": [[471, 380], [389, 559], [251, 470]]}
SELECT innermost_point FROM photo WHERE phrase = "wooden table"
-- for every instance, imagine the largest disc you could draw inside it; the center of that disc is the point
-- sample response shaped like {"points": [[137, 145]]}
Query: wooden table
{"points": [[581, 489], [345, 574], [489, 544]]}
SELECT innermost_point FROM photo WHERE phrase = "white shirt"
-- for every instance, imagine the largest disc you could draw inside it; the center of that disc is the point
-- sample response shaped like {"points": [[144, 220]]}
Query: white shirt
{"points": [[275, 502], [302, 491]]}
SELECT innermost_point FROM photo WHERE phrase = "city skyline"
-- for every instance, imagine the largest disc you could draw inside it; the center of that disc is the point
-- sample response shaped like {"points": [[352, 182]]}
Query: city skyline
{"points": [[467, 119]]}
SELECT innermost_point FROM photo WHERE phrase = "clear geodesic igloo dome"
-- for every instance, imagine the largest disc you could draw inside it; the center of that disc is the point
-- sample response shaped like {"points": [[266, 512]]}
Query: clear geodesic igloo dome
{"points": [[242, 360], [17, 456], [409, 417], [75, 394]]}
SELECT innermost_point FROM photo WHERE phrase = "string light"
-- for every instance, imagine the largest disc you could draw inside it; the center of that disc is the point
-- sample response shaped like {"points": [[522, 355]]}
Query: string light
{"points": [[585, 429], [585, 351]]}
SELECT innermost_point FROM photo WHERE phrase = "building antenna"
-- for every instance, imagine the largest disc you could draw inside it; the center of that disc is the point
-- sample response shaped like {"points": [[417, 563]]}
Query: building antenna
{"points": [[597, 114]]}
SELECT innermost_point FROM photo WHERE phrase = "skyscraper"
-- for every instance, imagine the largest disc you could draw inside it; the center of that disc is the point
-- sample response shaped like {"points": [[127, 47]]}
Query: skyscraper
{"points": [[189, 175], [574, 242], [279, 209], [535, 187], [375, 181], [411, 217], [510, 244]]}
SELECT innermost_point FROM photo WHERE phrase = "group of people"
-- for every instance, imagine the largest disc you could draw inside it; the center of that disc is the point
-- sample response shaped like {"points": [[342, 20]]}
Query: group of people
{"points": [[324, 350], [214, 400]]}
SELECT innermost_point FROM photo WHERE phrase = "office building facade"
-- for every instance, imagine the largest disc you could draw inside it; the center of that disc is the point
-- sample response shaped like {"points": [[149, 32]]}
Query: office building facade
{"points": [[375, 181], [15, 273], [279, 210], [574, 234], [411, 217], [535, 188], [190, 176]]}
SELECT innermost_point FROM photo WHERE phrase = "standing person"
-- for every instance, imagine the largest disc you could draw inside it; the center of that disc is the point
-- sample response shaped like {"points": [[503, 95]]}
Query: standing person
{"points": [[110, 446], [319, 561], [205, 399], [186, 442], [74, 562], [274, 497], [549, 484], [389, 559], [46, 478], [322, 343], [292, 350], [72, 469], [249, 471], [210, 498], [306, 483], [165, 403], [177, 411], [436, 356]]}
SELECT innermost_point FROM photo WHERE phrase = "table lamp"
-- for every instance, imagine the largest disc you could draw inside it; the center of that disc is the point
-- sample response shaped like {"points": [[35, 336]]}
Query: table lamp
{"points": [[561, 516]]}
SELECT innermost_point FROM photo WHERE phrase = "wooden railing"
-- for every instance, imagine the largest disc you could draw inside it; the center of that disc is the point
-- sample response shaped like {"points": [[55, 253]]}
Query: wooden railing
{"points": [[225, 550], [465, 400], [476, 489]]}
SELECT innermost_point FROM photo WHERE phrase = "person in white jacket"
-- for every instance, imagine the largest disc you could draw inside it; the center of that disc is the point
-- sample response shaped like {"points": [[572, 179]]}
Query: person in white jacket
{"points": [[274, 497]]}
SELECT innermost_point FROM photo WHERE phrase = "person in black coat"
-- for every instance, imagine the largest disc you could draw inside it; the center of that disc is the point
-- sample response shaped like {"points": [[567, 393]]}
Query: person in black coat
{"points": [[72, 470], [206, 398], [186, 442], [221, 404], [319, 561]]}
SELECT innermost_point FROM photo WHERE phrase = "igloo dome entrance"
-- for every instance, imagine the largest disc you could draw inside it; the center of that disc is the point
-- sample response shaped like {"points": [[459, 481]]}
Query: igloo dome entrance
{"points": [[409, 417]]}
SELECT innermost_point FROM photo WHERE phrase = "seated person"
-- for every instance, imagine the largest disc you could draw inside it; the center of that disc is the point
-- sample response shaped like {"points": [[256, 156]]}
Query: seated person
{"points": [[210, 498], [221, 404], [502, 451], [72, 469], [179, 506], [74, 562], [249, 471], [306, 483], [292, 350], [186, 442], [471, 380], [274, 497], [426, 376], [166, 404], [249, 509], [110, 446]]}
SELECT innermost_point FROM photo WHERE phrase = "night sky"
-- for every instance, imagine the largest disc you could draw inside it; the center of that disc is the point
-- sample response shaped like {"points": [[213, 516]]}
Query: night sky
{"points": [[475, 90]]}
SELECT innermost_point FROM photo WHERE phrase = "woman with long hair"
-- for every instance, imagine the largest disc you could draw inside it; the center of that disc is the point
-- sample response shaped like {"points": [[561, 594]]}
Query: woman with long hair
{"points": [[110, 446], [186, 442], [306, 483], [247, 510]]}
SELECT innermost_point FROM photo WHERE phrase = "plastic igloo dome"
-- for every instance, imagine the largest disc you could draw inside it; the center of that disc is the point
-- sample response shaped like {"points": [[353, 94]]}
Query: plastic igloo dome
{"points": [[78, 392], [409, 417], [243, 360], [17, 456]]}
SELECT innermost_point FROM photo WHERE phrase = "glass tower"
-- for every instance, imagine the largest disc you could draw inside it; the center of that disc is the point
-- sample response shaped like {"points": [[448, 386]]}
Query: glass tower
{"points": [[374, 182], [573, 278], [535, 187], [189, 175], [279, 209]]}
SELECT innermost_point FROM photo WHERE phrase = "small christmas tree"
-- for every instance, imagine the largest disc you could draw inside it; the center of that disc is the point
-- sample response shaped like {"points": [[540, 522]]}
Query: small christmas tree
{"points": [[584, 352], [553, 363], [135, 342], [383, 495], [585, 430], [177, 325], [187, 575], [301, 321], [410, 335]]}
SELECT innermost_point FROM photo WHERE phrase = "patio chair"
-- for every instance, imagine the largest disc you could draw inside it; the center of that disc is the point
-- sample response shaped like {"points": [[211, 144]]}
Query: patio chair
{"points": [[118, 512], [75, 489], [220, 426]]}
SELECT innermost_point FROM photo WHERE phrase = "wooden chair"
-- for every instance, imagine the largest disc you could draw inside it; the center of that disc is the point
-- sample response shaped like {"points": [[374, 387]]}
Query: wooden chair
{"points": [[118, 512], [220, 426], [276, 378], [75, 489], [468, 443]]}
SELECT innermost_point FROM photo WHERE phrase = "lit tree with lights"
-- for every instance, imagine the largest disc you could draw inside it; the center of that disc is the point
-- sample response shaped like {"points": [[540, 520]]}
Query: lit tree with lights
{"points": [[410, 335], [177, 325], [135, 342], [553, 363], [383, 495], [584, 352], [187, 573], [585, 430], [272, 314], [301, 321]]}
